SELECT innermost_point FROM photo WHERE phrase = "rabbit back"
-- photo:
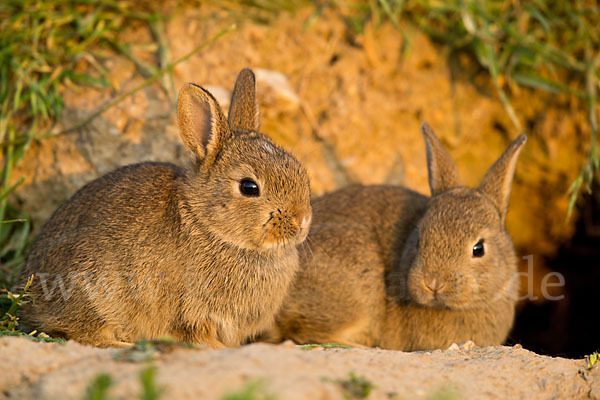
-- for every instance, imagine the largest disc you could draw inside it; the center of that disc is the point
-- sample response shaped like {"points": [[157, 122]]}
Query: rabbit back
{"points": [[101, 258], [355, 236]]}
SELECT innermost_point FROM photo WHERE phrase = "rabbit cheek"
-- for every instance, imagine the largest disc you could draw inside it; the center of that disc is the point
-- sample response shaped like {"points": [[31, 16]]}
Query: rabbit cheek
{"points": [[463, 291]]}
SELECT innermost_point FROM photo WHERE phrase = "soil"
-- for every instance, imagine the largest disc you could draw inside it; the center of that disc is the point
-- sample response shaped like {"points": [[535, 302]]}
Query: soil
{"points": [[51, 371]]}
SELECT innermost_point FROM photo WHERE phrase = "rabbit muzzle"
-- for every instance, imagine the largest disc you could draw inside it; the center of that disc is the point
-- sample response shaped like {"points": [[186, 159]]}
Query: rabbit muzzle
{"points": [[431, 290], [283, 228], [434, 288], [303, 221]]}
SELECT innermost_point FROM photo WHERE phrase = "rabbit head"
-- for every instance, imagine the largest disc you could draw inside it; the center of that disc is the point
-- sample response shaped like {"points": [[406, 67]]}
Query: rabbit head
{"points": [[460, 256], [246, 190]]}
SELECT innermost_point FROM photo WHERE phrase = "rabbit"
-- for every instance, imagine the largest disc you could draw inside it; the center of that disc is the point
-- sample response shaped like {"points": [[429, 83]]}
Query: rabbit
{"points": [[202, 254], [384, 266]]}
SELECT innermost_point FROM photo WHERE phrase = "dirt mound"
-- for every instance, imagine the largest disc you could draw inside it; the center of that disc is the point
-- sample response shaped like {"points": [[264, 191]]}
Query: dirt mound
{"points": [[50, 371]]}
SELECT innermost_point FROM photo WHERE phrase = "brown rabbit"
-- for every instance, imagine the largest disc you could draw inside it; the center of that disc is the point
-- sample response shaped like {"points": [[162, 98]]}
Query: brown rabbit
{"points": [[391, 268], [202, 255]]}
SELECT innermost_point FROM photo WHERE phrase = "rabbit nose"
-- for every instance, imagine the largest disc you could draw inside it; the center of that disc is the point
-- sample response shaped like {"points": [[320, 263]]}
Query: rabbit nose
{"points": [[303, 220], [433, 283]]}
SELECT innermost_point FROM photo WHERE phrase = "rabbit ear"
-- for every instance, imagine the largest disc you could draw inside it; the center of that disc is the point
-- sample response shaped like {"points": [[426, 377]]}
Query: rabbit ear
{"points": [[202, 124], [497, 181], [243, 111], [443, 174]]}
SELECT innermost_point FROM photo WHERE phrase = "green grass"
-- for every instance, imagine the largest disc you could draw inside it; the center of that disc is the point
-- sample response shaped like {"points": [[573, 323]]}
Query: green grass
{"points": [[35, 336], [146, 350], [9, 322], [8, 319], [253, 390], [99, 386], [446, 393], [150, 389], [355, 387], [592, 360]]}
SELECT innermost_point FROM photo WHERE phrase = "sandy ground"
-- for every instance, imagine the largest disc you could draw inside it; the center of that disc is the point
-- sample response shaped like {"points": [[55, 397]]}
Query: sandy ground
{"points": [[53, 371]]}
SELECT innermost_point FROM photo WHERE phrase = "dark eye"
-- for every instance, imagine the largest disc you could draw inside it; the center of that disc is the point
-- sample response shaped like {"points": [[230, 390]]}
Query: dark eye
{"points": [[249, 188], [478, 250]]}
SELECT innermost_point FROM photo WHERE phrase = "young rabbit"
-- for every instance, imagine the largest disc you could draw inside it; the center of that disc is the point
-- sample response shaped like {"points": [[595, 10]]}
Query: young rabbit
{"points": [[391, 268], [202, 255]]}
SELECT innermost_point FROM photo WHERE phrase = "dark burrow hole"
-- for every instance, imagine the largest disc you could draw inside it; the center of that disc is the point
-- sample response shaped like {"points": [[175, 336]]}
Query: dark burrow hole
{"points": [[569, 327]]}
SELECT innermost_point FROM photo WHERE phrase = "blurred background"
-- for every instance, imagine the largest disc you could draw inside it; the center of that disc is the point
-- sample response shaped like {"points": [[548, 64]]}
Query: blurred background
{"points": [[87, 86]]}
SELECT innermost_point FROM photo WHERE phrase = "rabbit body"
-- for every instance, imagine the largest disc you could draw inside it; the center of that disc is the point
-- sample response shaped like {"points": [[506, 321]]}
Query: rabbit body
{"points": [[155, 250], [387, 267]]}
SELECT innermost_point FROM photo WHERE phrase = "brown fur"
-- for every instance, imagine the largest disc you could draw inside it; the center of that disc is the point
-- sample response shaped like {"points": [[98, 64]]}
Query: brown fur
{"points": [[372, 251], [153, 250]]}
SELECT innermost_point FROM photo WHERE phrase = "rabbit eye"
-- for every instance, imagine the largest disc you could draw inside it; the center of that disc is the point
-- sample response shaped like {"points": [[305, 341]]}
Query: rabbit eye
{"points": [[478, 250], [249, 188]]}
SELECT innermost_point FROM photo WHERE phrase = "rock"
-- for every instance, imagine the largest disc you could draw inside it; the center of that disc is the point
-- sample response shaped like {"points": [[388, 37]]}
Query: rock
{"points": [[50, 371], [275, 90]]}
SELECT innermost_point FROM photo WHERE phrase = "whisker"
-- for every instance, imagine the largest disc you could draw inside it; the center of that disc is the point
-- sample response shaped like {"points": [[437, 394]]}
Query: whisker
{"points": [[271, 215], [307, 245]]}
